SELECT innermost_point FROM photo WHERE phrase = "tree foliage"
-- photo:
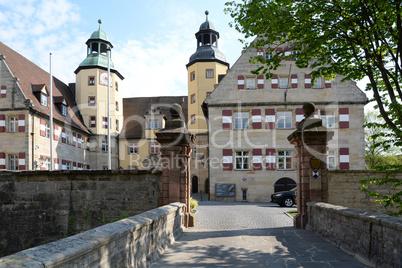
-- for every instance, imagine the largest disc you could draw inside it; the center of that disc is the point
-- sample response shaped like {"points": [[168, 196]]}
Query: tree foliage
{"points": [[379, 150], [353, 38]]}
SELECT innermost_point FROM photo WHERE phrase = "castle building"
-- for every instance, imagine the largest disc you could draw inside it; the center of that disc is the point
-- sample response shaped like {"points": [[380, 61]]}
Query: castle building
{"points": [[79, 112], [80, 115], [250, 118], [24, 119], [143, 117], [205, 69]]}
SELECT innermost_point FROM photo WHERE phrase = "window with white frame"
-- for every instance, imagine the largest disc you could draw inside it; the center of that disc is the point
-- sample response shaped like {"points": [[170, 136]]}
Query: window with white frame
{"points": [[283, 82], [12, 124], [43, 100], [285, 160], [328, 119], [68, 137], [133, 148], [104, 146], [68, 165], [46, 164], [154, 123], [47, 129], [63, 110], [154, 147], [13, 162], [193, 119], [250, 83], [331, 160], [295, 55], [192, 76], [242, 160], [284, 119], [241, 120], [209, 73], [317, 83], [268, 56]]}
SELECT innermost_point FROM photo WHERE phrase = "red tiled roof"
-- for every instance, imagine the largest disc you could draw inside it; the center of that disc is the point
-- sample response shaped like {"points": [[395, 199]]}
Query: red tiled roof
{"points": [[29, 74]]}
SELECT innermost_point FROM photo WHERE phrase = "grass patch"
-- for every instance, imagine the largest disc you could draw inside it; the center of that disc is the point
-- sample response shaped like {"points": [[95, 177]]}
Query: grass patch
{"points": [[292, 213]]}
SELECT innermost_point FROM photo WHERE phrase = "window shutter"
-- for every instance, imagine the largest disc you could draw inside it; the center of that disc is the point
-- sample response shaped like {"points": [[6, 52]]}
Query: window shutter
{"points": [[2, 160], [270, 159], [43, 167], [288, 53], [88, 167], [21, 123], [74, 165], [328, 84], [257, 159], [56, 163], [274, 81], [63, 135], [343, 117], [307, 81], [87, 144], [226, 119], [260, 81], [269, 118], [79, 166], [2, 123], [63, 164], [56, 132], [299, 116], [278, 50], [344, 158], [79, 140], [42, 127], [256, 118], [74, 138], [3, 91], [92, 121], [227, 159], [240, 82], [21, 161], [260, 52], [294, 80]]}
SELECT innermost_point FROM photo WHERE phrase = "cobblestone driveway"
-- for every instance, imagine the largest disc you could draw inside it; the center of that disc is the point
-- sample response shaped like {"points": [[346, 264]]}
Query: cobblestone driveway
{"points": [[250, 235], [235, 216]]}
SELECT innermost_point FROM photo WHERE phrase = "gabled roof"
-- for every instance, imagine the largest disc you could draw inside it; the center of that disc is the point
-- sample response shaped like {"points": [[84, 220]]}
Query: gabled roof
{"points": [[135, 109], [32, 77]]}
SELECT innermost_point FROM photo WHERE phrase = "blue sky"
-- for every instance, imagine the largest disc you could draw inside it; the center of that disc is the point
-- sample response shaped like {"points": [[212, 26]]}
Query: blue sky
{"points": [[152, 39]]}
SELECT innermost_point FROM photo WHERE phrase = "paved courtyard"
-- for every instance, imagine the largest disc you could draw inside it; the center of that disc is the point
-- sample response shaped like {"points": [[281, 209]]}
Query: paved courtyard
{"points": [[250, 235]]}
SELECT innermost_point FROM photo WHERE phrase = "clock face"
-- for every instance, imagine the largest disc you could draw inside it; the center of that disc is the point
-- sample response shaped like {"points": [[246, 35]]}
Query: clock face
{"points": [[103, 79]]}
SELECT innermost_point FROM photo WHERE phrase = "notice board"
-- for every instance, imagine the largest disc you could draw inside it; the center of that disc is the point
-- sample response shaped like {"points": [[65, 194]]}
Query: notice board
{"points": [[225, 190]]}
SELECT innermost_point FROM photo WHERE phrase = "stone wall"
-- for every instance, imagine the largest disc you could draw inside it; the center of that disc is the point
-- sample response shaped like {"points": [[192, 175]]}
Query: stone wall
{"points": [[344, 190], [42, 206], [371, 237], [132, 242]]}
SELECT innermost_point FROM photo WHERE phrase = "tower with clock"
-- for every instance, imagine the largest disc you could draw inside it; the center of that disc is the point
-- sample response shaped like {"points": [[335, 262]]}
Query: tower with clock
{"points": [[91, 97]]}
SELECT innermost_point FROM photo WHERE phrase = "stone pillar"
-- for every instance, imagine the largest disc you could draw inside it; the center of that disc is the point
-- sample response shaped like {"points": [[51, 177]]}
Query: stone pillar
{"points": [[310, 142], [176, 143]]}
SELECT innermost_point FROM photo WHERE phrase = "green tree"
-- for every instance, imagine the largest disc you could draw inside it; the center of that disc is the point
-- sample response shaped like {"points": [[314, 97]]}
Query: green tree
{"points": [[379, 150], [353, 38]]}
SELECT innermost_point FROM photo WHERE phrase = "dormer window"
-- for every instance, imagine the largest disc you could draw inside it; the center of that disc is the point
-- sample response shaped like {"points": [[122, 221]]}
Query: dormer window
{"points": [[63, 110], [154, 124], [43, 99]]}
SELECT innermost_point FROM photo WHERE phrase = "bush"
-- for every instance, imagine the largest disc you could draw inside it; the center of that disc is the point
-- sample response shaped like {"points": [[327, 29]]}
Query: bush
{"points": [[193, 204]]}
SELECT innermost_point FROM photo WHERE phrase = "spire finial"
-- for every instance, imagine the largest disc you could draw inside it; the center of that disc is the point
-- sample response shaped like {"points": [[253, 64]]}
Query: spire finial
{"points": [[206, 13], [100, 22]]}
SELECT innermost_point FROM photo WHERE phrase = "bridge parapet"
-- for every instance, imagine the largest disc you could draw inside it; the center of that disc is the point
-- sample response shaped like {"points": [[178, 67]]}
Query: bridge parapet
{"points": [[132, 242]]}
